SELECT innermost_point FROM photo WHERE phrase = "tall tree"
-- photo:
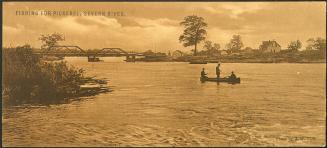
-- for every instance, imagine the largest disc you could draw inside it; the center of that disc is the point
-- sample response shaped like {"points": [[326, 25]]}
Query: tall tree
{"points": [[50, 40], [235, 44], [211, 50], [316, 44], [194, 32], [216, 46], [295, 45], [207, 45]]}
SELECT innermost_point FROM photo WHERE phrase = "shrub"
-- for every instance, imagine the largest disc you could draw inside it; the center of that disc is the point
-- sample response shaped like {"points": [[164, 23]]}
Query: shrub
{"points": [[27, 79]]}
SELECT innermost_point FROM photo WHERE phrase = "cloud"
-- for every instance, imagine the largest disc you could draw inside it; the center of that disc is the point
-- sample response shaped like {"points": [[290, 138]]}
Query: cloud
{"points": [[234, 9], [156, 25], [101, 21], [239, 8], [100, 32], [155, 22], [66, 23], [12, 30]]}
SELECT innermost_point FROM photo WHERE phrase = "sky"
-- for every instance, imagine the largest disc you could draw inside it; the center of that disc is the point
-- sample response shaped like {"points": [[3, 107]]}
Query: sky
{"points": [[155, 25]]}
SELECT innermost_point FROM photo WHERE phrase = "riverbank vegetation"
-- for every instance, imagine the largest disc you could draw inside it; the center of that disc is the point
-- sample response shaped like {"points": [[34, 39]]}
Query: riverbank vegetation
{"points": [[28, 79], [242, 56], [234, 51], [269, 51]]}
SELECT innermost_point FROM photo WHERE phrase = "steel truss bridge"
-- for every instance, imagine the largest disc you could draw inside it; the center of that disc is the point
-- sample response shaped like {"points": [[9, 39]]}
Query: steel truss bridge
{"points": [[76, 51]]}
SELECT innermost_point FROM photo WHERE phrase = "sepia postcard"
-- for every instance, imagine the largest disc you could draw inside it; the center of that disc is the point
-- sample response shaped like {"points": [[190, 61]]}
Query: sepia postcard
{"points": [[163, 74]]}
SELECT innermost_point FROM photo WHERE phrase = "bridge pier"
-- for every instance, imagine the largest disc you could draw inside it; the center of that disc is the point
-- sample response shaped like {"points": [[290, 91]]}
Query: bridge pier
{"points": [[130, 58], [92, 58], [92, 55]]}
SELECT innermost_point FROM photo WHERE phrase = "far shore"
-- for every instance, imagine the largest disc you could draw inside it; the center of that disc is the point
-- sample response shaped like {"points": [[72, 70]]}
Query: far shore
{"points": [[246, 61]]}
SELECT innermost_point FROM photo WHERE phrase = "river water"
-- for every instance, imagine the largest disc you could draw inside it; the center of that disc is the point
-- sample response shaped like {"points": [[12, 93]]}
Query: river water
{"points": [[165, 104]]}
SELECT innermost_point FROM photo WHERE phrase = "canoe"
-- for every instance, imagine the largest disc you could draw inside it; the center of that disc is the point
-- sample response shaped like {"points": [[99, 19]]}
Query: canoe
{"points": [[227, 80], [94, 60]]}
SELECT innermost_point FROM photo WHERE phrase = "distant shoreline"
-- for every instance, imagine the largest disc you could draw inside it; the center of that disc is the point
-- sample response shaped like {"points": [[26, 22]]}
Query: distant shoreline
{"points": [[245, 61], [299, 62]]}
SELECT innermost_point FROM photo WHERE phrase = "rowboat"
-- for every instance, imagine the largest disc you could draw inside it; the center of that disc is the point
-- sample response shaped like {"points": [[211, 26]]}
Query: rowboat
{"points": [[226, 79]]}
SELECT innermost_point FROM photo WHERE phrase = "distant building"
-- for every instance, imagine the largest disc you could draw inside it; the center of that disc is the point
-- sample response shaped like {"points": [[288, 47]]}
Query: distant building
{"points": [[148, 52], [151, 54], [169, 54], [248, 50], [223, 52], [160, 54], [270, 47], [212, 53], [177, 54]]}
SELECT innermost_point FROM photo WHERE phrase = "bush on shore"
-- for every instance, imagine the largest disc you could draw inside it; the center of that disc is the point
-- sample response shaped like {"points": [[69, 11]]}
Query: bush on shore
{"points": [[28, 79]]}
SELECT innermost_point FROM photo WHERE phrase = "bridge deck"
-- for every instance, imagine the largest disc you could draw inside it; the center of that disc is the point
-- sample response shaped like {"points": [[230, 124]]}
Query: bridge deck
{"points": [[90, 54], [72, 50]]}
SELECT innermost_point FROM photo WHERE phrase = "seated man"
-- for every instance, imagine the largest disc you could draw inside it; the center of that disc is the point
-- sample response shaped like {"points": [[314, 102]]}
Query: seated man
{"points": [[232, 76], [203, 74]]}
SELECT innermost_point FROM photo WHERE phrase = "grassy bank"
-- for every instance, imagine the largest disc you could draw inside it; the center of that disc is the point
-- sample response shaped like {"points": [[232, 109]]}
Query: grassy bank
{"points": [[29, 80]]}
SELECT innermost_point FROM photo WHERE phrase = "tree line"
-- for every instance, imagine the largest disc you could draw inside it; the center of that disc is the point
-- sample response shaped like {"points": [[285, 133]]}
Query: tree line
{"points": [[31, 79], [195, 32]]}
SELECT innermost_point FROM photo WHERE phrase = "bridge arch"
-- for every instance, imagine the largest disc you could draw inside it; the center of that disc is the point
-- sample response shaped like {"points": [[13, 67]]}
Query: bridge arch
{"points": [[69, 48], [112, 51]]}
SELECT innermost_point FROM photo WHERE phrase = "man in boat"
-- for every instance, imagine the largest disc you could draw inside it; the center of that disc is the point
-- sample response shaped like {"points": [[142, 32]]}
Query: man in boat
{"points": [[218, 70], [203, 74], [232, 76]]}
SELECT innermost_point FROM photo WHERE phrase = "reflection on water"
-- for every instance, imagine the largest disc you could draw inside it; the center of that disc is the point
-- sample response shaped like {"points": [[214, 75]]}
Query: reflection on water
{"points": [[165, 104]]}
